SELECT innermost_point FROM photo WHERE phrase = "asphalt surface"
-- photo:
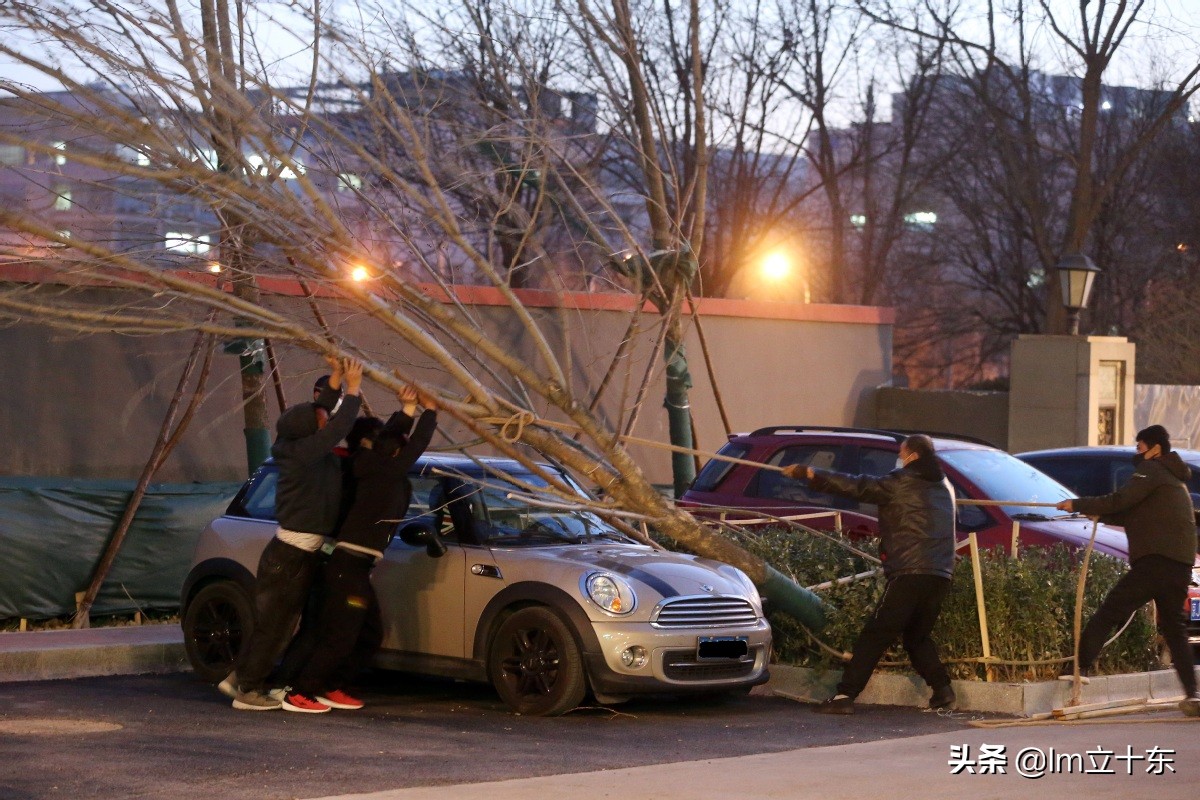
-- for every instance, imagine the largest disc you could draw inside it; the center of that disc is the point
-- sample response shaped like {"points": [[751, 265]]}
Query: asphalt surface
{"points": [[170, 736]]}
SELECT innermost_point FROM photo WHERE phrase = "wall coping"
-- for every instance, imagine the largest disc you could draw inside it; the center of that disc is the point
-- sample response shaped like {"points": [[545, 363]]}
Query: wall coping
{"points": [[491, 296]]}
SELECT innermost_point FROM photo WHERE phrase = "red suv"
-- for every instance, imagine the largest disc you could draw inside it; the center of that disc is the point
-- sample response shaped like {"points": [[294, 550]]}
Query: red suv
{"points": [[976, 470]]}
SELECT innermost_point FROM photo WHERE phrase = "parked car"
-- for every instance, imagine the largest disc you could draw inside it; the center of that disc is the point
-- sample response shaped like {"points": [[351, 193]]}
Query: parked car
{"points": [[976, 471], [541, 600], [1091, 471]]}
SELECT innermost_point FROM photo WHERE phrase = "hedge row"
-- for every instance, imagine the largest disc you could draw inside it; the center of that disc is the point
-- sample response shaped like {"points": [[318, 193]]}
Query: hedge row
{"points": [[1030, 604]]}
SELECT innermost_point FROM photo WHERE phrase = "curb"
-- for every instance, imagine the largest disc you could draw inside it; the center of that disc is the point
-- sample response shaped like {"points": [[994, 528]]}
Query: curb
{"points": [[52, 655], [1018, 699]]}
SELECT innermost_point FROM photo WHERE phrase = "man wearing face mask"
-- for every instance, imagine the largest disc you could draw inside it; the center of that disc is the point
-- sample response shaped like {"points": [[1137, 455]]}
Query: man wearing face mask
{"points": [[1155, 509], [916, 532]]}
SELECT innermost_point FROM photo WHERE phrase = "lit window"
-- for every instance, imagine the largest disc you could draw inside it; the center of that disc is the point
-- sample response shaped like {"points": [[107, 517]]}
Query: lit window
{"points": [[12, 155], [858, 220], [204, 155], [263, 167], [60, 158], [922, 219], [257, 164], [62, 199], [192, 244], [133, 155], [349, 182]]}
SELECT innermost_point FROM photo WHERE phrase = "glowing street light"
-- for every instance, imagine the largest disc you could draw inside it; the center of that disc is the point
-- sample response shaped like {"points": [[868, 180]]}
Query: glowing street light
{"points": [[776, 266], [360, 273]]}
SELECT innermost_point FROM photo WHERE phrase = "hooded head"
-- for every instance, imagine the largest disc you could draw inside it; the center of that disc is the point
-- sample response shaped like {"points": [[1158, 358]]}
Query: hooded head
{"points": [[301, 420], [363, 428]]}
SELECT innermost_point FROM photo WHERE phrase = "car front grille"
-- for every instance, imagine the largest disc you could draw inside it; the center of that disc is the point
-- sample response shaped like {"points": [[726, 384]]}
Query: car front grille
{"points": [[704, 611], [682, 665]]}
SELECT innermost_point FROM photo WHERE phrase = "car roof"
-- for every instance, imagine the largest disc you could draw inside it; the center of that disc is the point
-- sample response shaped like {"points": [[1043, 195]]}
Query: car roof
{"points": [[1099, 451], [941, 441]]}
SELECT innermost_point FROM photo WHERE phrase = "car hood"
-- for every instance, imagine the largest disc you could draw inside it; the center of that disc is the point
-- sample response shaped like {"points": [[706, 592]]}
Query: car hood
{"points": [[654, 574], [1076, 532]]}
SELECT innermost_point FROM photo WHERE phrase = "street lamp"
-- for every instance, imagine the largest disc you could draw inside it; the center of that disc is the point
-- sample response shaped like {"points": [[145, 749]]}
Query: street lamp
{"points": [[1076, 274]]}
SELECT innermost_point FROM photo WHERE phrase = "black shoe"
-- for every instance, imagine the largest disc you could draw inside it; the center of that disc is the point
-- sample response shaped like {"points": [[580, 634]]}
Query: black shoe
{"points": [[838, 704], [942, 698]]}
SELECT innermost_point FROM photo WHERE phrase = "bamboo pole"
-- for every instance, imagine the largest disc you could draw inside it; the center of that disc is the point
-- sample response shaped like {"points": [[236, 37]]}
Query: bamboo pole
{"points": [[1076, 683], [979, 603]]}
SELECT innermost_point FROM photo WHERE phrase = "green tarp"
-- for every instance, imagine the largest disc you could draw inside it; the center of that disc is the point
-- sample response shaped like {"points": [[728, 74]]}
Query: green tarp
{"points": [[54, 530]]}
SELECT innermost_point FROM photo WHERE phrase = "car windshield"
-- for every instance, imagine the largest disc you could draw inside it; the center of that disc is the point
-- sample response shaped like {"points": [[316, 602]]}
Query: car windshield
{"points": [[512, 516], [1001, 477]]}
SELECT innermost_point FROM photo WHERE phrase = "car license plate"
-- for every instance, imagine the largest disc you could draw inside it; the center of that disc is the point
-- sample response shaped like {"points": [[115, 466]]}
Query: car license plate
{"points": [[1195, 609], [722, 647]]}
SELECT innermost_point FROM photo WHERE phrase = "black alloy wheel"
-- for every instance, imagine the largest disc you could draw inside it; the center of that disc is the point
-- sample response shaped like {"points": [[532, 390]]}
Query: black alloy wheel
{"points": [[535, 663], [218, 622]]}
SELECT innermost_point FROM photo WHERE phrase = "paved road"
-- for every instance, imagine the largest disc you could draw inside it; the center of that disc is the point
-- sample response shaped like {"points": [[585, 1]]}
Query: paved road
{"points": [[170, 736]]}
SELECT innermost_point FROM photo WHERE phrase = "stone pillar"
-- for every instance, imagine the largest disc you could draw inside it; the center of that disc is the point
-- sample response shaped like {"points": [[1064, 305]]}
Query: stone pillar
{"points": [[1070, 390]]}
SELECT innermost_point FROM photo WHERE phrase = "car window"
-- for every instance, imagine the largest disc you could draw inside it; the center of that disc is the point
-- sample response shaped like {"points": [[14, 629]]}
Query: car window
{"points": [[1086, 477], [873, 461], [715, 470], [1001, 477], [968, 518], [774, 485], [492, 511], [1122, 471], [259, 502]]}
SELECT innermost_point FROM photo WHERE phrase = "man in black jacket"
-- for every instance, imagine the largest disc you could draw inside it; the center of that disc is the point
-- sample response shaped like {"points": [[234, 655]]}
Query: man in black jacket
{"points": [[1155, 509], [308, 500], [916, 531]]}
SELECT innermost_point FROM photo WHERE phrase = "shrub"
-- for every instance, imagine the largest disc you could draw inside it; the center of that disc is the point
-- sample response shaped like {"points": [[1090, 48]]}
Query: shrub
{"points": [[1030, 604]]}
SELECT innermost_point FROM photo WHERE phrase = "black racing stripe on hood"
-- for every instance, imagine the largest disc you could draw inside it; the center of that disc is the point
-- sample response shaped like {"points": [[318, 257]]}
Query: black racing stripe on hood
{"points": [[653, 581]]}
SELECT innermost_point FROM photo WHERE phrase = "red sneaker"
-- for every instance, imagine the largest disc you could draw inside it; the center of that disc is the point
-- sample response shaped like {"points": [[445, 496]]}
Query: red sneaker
{"points": [[303, 703], [339, 699]]}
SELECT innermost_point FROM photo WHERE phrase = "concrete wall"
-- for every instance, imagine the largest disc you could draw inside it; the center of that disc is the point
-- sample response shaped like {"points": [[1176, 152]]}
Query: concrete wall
{"points": [[1057, 392], [982, 415], [91, 405]]}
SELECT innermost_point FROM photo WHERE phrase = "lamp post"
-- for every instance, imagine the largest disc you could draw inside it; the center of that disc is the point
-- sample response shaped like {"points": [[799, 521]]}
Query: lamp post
{"points": [[1076, 274]]}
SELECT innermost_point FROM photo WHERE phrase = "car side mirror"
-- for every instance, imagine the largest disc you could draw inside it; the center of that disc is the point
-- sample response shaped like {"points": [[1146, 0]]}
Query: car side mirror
{"points": [[422, 533]]}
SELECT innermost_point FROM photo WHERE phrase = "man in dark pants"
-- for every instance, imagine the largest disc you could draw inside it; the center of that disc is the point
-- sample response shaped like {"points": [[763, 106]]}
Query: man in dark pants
{"points": [[1155, 509], [307, 504], [916, 531], [348, 629]]}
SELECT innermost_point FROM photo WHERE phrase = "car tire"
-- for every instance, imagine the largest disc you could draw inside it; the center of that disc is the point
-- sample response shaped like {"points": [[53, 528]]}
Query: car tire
{"points": [[535, 663], [218, 621]]}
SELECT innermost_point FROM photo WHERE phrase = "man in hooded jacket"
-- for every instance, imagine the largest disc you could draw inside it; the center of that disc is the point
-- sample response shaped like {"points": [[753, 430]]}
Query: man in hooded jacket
{"points": [[916, 532], [1155, 509], [308, 502]]}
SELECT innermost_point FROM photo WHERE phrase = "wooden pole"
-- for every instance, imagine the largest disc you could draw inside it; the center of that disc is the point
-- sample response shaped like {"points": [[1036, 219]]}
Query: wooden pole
{"points": [[1016, 535], [1076, 683], [977, 571]]}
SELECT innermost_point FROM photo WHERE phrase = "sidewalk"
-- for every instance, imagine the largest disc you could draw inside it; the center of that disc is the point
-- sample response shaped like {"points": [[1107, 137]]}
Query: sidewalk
{"points": [[1107, 760], [127, 650]]}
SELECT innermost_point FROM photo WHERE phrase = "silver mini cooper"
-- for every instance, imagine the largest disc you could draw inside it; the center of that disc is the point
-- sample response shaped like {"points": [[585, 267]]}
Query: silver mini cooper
{"points": [[487, 582]]}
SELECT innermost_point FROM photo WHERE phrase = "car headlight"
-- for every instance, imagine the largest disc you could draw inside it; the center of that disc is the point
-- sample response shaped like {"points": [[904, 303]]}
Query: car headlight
{"points": [[611, 593]]}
